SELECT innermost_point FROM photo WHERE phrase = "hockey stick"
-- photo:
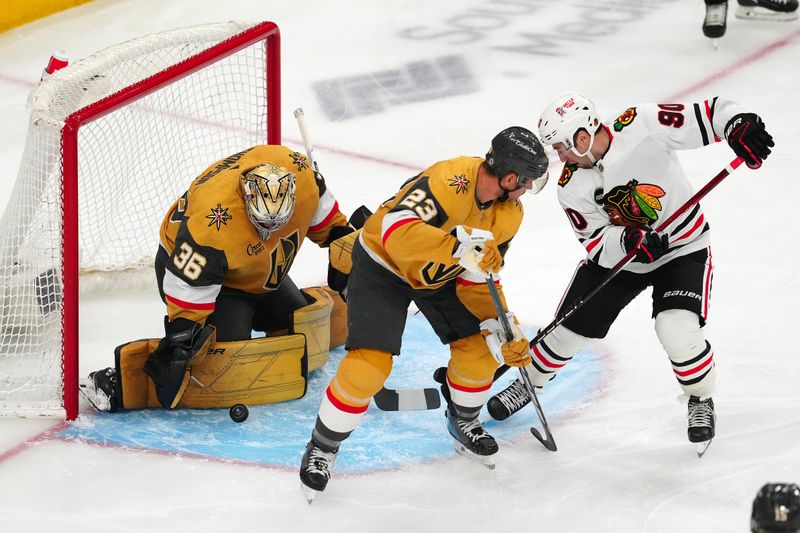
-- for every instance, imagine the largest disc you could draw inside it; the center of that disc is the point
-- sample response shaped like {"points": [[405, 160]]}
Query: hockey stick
{"points": [[544, 332], [301, 123], [385, 399], [547, 441]]}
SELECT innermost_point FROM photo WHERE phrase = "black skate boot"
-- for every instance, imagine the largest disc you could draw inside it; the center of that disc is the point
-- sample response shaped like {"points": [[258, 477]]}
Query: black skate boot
{"points": [[701, 423], [100, 390], [472, 440], [508, 401], [767, 9], [716, 20], [315, 470]]}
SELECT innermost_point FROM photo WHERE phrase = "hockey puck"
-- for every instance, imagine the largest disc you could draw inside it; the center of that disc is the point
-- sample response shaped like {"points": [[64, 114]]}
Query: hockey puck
{"points": [[239, 413]]}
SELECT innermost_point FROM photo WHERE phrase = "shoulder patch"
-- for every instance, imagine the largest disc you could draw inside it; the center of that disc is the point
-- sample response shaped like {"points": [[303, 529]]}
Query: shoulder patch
{"points": [[300, 160], [625, 119], [460, 183], [566, 174], [219, 217]]}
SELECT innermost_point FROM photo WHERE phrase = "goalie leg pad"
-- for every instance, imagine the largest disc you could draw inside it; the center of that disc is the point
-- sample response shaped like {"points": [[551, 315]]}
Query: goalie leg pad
{"points": [[314, 321], [250, 372], [338, 319]]}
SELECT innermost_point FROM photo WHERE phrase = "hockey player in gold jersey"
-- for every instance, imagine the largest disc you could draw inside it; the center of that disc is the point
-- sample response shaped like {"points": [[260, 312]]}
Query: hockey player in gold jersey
{"points": [[227, 245], [433, 243]]}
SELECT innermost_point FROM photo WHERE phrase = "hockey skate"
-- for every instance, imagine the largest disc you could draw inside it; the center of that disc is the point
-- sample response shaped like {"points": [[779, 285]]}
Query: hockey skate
{"points": [[315, 470], [716, 20], [767, 9], [701, 423], [508, 401], [100, 390], [471, 440]]}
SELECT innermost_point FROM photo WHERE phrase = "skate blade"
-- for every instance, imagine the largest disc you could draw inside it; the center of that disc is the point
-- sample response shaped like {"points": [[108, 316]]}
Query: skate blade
{"points": [[702, 447], [483, 460], [96, 399], [760, 13], [308, 493]]}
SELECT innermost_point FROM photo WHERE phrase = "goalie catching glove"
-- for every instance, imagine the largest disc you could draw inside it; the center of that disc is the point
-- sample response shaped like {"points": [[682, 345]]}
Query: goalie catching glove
{"points": [[477, 250], [514, 352], [169, 364]]}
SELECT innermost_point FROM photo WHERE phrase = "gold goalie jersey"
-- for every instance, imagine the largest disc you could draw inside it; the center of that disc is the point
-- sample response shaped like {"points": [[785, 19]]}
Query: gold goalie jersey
{"points": [[410, 234], [208, 241]]}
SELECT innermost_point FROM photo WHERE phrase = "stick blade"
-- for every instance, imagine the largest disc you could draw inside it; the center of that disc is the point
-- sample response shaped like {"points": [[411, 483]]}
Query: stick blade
{"points": [[408, 399], [550, 444]]}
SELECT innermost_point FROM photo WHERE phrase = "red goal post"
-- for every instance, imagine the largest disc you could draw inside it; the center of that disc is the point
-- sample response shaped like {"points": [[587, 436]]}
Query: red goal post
{"points": [[112, 141]]}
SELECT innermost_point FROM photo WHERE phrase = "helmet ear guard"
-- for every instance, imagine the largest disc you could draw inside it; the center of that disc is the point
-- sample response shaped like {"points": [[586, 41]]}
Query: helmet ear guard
{"points": [[270, 197]]}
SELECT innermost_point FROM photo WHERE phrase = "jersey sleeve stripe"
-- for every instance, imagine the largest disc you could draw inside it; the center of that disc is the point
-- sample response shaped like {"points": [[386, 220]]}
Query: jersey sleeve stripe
{"points": [[703, 132], [327, 208], [471, 278], [392, 221], [190, 305], [187, 296], [710, 115], [697, 224], [592, 244]]}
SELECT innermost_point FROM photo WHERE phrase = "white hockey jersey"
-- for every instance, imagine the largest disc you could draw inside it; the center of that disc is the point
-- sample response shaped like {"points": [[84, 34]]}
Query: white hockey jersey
{"points": [[640, 181]]}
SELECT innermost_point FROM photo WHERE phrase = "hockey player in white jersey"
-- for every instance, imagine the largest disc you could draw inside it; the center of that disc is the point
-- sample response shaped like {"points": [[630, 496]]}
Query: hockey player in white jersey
{"points": [[619, 180]]}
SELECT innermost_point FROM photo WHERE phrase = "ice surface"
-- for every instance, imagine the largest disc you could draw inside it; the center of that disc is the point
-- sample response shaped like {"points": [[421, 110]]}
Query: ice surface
{"points": [[389, 88]]}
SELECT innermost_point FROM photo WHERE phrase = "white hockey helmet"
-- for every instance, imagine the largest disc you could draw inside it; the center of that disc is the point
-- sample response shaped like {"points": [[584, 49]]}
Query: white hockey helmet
{"points": [[269, 195], [564, 117]]}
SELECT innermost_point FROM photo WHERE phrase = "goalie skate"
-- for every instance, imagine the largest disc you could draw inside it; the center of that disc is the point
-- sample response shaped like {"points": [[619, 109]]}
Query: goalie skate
{"points": [[99, 389]]}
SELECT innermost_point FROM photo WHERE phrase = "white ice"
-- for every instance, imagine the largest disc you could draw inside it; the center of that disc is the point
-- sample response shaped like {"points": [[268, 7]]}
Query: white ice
{"points": [[624, 463]]}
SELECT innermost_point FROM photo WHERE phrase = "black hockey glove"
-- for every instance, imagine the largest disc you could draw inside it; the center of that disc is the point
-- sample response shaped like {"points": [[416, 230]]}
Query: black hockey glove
{"points": [[649, 245], [749, 139], [167, 365]]}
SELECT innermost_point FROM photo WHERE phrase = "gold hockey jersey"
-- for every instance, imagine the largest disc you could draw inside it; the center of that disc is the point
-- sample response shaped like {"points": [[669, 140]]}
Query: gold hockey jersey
{"points": [[208, 241], [410, 234]]}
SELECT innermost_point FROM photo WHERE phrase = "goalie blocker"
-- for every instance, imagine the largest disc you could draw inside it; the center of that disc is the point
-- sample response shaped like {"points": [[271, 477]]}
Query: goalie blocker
{"points": [[250, 372]]}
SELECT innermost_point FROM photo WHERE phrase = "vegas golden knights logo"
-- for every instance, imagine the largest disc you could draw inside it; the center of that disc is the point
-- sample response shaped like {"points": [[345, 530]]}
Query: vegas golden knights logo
{"points": [[282, 256], [436, 273]]}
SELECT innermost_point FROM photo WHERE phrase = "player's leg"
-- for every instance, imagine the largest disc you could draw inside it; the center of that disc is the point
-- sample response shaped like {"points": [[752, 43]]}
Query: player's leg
{"points": [[468, 379], [377, 310], [681, 295], [591, 321]]}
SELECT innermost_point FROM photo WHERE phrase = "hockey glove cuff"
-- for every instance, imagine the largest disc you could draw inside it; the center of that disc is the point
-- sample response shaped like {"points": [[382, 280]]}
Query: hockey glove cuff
{"points": [[514, 352], [650, 246], [748, 138]]}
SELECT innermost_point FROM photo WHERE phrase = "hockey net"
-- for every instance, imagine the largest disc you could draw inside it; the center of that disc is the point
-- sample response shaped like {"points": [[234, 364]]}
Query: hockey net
{"points": [[112, 141]]}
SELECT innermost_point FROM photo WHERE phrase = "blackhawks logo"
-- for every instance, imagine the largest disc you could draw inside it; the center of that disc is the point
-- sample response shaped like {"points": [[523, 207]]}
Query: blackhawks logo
{"points": [[460, 183], [299, 160], [566, 174], [633, 204], [625, 119], [219, 216]]}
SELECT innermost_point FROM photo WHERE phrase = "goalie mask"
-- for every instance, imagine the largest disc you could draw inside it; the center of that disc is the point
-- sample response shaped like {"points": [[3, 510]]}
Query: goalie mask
{"points": [[269, 195]]}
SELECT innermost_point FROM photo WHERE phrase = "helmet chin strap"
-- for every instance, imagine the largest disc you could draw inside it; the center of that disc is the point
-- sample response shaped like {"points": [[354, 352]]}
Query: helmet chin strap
{"points": [[588, 152]]}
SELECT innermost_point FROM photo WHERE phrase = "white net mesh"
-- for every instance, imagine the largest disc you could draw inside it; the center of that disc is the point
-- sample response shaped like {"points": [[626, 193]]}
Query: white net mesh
{"points": [[132, 164]]}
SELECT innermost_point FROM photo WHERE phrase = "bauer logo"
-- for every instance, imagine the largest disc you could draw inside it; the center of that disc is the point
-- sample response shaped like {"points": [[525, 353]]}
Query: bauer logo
{"points": [[375, 92]]}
